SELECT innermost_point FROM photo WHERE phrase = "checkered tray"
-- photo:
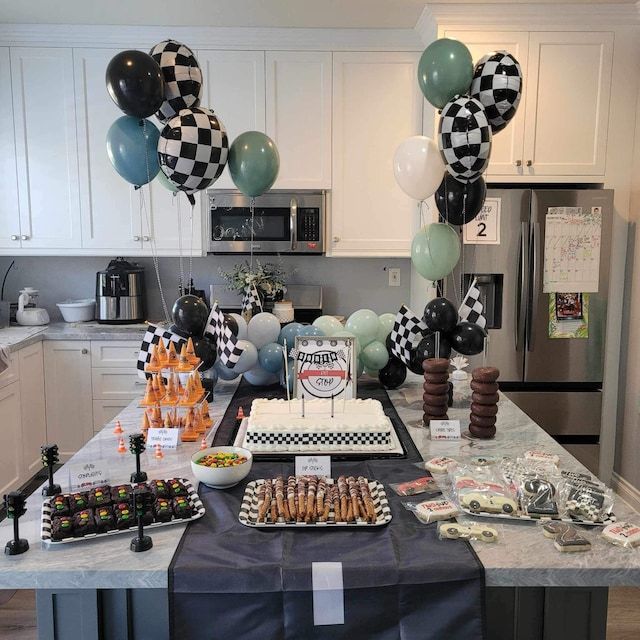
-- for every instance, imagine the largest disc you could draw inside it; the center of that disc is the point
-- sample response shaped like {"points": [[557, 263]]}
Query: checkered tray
{"points": [[194, 500], [505, 516], [248, 515]]}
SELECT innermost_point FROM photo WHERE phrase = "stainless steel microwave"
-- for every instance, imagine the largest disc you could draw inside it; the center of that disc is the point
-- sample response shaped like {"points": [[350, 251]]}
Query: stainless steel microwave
{"points": [[283, 222]]}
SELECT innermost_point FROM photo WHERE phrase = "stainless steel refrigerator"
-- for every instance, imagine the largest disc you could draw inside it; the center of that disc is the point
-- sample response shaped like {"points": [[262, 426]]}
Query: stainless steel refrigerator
{"points": [[557, 381]]}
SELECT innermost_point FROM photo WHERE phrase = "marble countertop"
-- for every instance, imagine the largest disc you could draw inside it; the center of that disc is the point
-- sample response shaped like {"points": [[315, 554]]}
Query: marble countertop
{"points": [[522, 556], [17, 337]]}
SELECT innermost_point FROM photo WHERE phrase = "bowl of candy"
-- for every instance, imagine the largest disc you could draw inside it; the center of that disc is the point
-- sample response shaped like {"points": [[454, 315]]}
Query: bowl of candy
{"points": [[221, 467]]}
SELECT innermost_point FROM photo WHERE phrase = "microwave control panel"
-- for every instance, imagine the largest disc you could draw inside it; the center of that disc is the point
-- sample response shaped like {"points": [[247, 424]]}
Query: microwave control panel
{"points": [[308, 225]]}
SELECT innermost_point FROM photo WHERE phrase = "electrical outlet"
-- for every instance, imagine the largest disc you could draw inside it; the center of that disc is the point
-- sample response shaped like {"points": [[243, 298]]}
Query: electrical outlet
{"points": [[394, 277]]}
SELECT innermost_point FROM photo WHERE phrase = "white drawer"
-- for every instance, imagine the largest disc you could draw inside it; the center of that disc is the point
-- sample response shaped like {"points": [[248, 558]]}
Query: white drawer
{"points": [[120, 384], [104, 411], [114, 353], [10, 374]]}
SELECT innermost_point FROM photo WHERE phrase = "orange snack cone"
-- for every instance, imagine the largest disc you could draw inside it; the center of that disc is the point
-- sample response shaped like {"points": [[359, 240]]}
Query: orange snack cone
{"points": [[121, 447], [172, 356], [154, 362], [183, 360], [179, 387], [146, 425], [161, 388], [204, 414], [117, 430], [149, 398], [191, 353], [167, 421], [161, 353], [198, 425], [157, 454], [156, 416], [170, 397], [188, 435]]}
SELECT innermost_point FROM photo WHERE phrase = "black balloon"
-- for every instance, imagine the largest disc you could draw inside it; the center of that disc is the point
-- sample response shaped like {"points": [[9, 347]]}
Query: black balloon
{"points": [[393, 374], [179, 332], [135, 83], [427, 348], [231, 323], [389, 343], [440, 315], [458, 202], [190, 315], [468, 338], [206, 351]]}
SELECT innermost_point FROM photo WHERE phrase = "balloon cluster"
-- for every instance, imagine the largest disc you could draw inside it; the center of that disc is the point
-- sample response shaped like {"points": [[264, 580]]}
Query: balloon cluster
{"points": [[192, 150], [475, 104]]}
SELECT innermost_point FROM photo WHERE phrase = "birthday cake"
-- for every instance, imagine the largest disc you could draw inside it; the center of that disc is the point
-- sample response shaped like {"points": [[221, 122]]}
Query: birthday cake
{"points": [[280, 425]]}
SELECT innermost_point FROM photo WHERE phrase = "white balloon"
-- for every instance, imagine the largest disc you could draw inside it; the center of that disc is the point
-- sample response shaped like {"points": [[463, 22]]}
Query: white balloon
{"points": [[263, 328], [242, 326], [249, 357], [418, 167]]}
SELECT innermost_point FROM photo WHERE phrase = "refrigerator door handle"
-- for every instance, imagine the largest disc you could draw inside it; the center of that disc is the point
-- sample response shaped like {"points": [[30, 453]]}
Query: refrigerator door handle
{"points": [[535, 285], [522, 286]]}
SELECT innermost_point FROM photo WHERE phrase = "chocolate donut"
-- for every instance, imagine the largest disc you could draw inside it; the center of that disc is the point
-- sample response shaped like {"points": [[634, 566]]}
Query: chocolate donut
{"points": [[480, 398], [482, 432], [435, 365], [435, 410], [485, 374], [436, 389], [426, 418], [436, 378], [485, 388], [440, 400], [484, 410], [481, 421]]}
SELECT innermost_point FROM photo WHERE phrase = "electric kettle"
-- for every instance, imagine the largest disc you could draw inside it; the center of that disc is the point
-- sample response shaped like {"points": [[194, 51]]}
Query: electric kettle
{"points": [[30, 316]]}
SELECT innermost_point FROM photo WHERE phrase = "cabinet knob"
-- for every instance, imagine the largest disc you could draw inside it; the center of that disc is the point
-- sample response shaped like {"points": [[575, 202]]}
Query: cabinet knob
{"points": [[25, 237], [84, 352], [518, 163], [336, 238], [146, 238], [14, 237], [529, 163], [136, 238]]}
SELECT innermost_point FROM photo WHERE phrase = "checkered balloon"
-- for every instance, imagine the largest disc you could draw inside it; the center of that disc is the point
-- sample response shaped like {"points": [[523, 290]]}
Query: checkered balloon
{"points": [[193, 149], [182, 78], [464, 138], [497, 84]]}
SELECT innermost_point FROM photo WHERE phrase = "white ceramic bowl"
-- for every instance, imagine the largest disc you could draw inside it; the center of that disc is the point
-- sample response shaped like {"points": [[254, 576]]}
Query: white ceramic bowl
{"points": [[224, 477], [77, 310]]}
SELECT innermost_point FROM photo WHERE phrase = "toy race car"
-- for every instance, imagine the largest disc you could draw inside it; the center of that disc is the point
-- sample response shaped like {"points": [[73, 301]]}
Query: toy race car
{"points": [[454, 530], [489, 502]]}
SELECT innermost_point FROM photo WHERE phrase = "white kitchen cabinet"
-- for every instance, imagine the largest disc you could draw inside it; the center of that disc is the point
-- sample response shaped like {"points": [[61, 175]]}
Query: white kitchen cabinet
{"points": [[298, 112], [9, 209], [114, 353], [46, 147], [104, 411], [121, 384], [32, 406], [67, 365], [376, 105], [11, 463], [234, 87], [507, 146], [568, 112]]}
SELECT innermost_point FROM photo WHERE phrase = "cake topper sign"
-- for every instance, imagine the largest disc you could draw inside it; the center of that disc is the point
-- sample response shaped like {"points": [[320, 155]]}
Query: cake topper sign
{"points": [[324, 367]]}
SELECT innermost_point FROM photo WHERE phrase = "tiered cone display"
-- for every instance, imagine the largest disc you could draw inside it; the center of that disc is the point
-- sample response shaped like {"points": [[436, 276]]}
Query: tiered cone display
{"points": [[484, 402], [150, 398], [436, 389]]}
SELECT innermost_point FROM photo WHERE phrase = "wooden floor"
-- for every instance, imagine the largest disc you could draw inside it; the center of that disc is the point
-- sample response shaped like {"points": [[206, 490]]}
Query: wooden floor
{"points": [[18, 616]]}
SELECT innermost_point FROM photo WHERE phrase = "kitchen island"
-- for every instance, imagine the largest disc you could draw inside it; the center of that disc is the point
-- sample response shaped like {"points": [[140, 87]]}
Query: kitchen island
{"points": [[83, 583]]}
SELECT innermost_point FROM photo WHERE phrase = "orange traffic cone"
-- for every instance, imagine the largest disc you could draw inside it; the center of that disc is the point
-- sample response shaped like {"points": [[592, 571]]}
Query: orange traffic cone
{"points": [[203, 443], [121, 447], [146, 425], [183, 360], [158, 455], [191, 353], [117, 430], [149, 395], [172, 356]]}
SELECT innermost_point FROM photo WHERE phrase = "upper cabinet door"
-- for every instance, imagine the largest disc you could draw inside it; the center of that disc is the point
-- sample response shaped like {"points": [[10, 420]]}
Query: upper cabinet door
{"points": [[568, 114], [376, 105], [9, 210], [110, 205], [506, 145], [46, 147], [299, 117], [234, 89]]}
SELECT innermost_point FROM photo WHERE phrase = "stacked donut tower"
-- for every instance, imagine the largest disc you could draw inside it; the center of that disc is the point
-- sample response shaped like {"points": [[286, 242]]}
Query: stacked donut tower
{"points": [[436, 389], [484, 402]]}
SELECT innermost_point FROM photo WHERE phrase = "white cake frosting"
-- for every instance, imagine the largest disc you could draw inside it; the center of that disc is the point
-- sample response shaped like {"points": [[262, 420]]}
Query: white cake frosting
{"points": [[278, 425]]}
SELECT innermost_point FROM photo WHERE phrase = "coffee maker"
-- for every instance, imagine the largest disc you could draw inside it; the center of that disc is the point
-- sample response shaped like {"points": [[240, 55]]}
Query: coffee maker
{"points": [[120, 293]]}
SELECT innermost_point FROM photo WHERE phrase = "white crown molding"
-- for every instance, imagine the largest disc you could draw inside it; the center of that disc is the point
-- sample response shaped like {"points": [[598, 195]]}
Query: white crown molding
{"points": [[211, 37], [540, 15]]}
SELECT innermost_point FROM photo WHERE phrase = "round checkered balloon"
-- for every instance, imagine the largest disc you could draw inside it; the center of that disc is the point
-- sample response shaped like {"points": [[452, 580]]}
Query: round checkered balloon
{"points": [[193, 149], [182, 78], [464, 138], [497, 84]]}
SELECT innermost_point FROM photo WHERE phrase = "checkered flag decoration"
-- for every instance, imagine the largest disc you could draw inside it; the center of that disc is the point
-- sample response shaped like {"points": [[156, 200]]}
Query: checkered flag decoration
{"points": [[251, 300], [407, 331], [182, 78], [497, 84], [464, 138], [193, 149], [152, 336], [228, 350], [471, 308]]}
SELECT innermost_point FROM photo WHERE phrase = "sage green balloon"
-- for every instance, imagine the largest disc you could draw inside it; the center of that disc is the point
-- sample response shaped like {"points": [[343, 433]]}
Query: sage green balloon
{"points": [[435, 250], [385, 324], [375, 356], [328, 325], [445, 70], [343, 333], [359, 368], [166, 183], [364, 324], [253, 163]]}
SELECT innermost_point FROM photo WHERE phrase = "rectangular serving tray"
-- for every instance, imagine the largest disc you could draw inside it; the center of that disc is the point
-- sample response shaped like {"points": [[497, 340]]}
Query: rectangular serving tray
{"points": [[523, 517], [194, 500], [248, 515]]}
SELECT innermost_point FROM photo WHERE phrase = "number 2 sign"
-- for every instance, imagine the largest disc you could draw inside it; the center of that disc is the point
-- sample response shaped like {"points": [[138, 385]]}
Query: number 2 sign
{"points": [[485, 227]]}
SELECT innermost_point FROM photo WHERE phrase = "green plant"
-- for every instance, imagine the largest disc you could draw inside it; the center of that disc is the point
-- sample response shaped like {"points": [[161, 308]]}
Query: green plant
{"points": [[268, 278]]}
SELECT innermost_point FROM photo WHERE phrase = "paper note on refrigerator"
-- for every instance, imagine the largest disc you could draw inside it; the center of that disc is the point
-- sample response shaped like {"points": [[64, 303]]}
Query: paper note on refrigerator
{"points": [[572, 249]]}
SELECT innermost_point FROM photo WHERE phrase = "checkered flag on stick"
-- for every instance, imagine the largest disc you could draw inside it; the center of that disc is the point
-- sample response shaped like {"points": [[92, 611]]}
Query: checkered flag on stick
{"points": [[251, 300], [228, 350], [471, 308], [152, 336], [407, 331]]}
